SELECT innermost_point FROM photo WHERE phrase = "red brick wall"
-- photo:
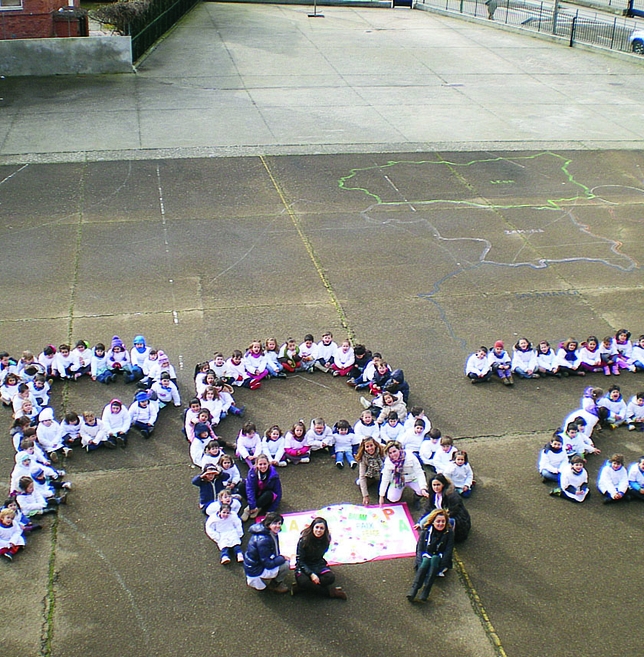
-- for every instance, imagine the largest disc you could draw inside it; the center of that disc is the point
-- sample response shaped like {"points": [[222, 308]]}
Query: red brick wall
{"points": [[33, 21]]}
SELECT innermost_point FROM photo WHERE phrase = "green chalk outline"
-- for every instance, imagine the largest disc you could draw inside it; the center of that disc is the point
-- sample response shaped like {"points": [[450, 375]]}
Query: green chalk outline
{"points": [[551, 204]]}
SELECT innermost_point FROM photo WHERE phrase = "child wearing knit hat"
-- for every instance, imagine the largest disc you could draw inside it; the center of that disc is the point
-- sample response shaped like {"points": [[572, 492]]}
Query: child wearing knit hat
{"points": [[501, 363], [118, 360]]}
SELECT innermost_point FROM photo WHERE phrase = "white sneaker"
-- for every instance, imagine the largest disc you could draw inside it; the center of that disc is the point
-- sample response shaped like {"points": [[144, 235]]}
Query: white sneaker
{"points": [[442, 572], [240, 557], [67, 485], [67, 451], [365, 402], [282, 464], [245, 514], [306, 459]]}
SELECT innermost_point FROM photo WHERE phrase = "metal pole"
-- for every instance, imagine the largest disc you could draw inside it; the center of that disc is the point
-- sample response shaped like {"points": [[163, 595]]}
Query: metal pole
{"points": [[315, 11], [555, 14]]}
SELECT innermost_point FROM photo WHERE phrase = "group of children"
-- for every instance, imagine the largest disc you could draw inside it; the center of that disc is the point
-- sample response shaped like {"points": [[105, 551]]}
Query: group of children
{"points": [[264, 360], [571, 358], [563, 459], [37, 487], [228, 500]]}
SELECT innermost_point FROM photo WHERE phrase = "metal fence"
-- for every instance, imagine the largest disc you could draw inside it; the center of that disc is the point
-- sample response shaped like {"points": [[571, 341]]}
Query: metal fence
{"points": [[157, 20], [578, 26]]}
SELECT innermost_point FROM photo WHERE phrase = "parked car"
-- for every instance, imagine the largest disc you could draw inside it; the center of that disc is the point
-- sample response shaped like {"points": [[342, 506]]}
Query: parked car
{"points": [[636, 39]]}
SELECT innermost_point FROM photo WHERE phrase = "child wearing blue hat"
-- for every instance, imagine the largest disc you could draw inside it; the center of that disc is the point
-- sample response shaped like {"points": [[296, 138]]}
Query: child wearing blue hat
{"points": [[138, 355], [143, 413]]}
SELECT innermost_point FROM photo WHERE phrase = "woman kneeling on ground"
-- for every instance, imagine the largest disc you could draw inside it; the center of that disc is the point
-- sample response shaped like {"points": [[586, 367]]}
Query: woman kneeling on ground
{"points": [[264, 566], [311, 570]]}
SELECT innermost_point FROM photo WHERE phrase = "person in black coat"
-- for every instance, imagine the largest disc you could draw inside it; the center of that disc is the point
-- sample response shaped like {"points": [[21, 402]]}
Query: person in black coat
{"points": [[433, 553], [312, 572], [443, 496]]}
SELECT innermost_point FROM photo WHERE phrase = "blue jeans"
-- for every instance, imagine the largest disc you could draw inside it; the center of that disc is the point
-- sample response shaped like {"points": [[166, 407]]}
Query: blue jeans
{"points": [[550, 476], [272, 370], [345, 453], [225, 552]]}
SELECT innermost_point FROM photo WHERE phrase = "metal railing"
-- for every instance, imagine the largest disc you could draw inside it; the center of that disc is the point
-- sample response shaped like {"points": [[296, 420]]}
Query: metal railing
{"points": [[579, 26], [155, 22]]}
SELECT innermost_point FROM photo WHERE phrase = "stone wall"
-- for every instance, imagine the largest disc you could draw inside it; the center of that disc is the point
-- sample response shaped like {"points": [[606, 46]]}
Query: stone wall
{"points": [[69, 56]]}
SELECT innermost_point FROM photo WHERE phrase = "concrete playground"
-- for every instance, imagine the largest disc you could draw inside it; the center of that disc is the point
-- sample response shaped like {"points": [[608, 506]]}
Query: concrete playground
{"points": [[421, 253]]}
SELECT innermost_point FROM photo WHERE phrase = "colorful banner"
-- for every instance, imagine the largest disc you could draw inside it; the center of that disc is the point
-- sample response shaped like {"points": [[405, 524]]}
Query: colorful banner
{"points": [[358, 533]]}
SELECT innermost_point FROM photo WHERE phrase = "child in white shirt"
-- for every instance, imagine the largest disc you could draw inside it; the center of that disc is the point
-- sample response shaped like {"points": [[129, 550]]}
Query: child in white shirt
{"points": [[225, 529], [460, 473], [342, 442], [273, 446], [477, 367]]}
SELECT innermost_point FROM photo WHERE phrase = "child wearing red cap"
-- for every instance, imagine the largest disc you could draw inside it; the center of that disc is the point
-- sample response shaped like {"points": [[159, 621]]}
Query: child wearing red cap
{"points": [[501, 363]]}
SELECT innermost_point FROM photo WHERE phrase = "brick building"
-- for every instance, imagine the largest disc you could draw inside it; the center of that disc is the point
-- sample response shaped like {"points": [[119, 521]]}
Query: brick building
{"points": [[37, 19]]}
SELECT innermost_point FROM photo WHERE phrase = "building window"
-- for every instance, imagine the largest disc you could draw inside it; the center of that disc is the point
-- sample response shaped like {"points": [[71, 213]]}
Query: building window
{"points": [[10, 4]]}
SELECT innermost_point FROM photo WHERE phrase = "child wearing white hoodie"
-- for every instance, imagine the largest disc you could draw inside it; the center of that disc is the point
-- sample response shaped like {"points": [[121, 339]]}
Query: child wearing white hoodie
{"points": [[612, 481], [225, 529]]}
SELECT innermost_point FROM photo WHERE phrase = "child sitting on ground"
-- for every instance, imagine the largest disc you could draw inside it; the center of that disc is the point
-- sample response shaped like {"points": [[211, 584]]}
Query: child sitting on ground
{"points": [[273, 446], [49, 436], [428, 448], [573, 481], [576, 442], [612, 480], [635, 412], [11, 536], [366, 427], [392, 429], [326, 349], [524, 360], [249, 444], [319, 435], [477, 367], [31, 501], [443, 456], [342, 442], [547, 360], [99, 370], [636, 479], [70, 429], [143, 414], [460, 473], [500, 363], [295, 448], [93, 434], [552, 459], [225, 529], [166, 391], [615, 405], [289, 356]]}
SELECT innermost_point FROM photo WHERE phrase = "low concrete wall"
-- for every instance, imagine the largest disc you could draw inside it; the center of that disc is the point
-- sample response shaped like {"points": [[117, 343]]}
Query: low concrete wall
{"points": [[69, 56]]}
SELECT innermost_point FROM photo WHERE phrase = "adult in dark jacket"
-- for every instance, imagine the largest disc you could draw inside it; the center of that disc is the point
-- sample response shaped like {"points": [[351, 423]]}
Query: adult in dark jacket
{"points": [[312, 572], [263, 487], [443, 496], [264, 566], [433, 553]]}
